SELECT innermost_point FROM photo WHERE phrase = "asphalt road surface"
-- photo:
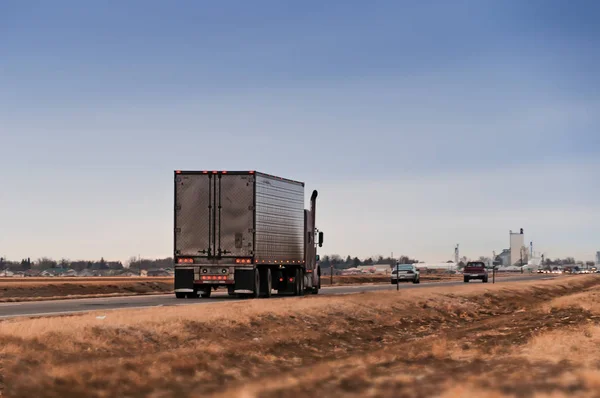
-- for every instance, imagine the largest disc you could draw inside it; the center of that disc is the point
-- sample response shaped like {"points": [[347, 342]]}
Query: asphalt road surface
{"points": [[62, 307]]}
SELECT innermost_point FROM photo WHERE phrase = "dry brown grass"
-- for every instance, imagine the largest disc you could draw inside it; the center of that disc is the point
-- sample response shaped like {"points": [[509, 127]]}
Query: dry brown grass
{"points": [[414, 343]]}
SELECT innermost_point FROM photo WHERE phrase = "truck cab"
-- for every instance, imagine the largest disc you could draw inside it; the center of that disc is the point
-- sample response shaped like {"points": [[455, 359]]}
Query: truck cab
{"points": [[475, 270]]}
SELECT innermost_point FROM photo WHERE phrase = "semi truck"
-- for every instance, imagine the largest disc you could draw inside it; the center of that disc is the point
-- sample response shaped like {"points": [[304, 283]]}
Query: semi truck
{"points": [[244, 231]]}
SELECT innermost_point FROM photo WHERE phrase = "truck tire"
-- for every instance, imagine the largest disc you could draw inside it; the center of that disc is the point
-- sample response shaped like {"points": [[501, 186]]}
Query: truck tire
{"points": [[256, 293], [302, 286], [205, 292], [298, 288], [315, 290], [466, 279], [266, 282], [418, 280], [296, 283], [485, 279], [180, 295]]}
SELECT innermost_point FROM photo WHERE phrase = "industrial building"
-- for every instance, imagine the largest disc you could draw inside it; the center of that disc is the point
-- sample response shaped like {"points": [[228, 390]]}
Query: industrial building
{"points": [[597, 259], [518, 251], [517, 254], [503, 259]]}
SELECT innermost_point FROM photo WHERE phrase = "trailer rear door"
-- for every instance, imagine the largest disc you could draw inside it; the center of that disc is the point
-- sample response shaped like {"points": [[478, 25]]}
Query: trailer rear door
{"points": [[214, 215]]}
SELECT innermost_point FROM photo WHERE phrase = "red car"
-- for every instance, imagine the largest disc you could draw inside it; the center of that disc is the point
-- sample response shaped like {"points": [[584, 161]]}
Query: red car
{"points": [[475, 270]]}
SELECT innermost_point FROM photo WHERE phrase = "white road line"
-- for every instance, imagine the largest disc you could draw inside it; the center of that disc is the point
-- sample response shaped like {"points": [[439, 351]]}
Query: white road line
{"points": [[72, 312]]}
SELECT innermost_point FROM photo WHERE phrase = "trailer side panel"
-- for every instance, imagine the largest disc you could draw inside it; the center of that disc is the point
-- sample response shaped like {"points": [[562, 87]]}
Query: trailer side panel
{"points": [[279, 221]]}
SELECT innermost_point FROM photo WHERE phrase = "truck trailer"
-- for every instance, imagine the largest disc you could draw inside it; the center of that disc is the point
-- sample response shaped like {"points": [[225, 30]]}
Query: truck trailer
{"points": [[245, 231]]}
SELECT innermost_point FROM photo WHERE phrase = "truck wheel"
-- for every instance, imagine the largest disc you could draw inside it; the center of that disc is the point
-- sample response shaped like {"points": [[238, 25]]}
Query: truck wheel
{"points": [[256, 293], [315, 290], [466, 279], [485, 279], [266, 283], [180, 295], [418, 280], [205, 293]]}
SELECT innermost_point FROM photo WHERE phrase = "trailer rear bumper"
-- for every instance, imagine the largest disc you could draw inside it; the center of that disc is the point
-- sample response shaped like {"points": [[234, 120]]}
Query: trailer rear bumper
{"points": [[190, 278]]}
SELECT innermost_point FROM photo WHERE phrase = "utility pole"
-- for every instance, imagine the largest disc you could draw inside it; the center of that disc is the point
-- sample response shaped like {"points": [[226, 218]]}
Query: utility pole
{"points": [[331, 273], [521, 260], [456, 255]]}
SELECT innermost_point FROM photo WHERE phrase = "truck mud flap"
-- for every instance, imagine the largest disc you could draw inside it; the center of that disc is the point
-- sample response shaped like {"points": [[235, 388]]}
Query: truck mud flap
{"points": [[244, 279], [184, 279]]}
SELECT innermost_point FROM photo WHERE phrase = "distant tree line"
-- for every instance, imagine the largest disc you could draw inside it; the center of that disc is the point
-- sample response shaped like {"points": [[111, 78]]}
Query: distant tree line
{"points": [[338, 262], [45, 263]]}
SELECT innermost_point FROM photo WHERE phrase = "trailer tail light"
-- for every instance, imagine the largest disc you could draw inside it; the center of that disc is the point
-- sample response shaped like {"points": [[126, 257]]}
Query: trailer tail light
{"points": [[280, 279], [213, 278], [291, 279], [185, 261], [243, 261]]}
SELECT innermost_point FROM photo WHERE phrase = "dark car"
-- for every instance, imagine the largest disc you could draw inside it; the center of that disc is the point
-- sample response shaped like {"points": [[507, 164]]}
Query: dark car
{"points": [[475, 270]]}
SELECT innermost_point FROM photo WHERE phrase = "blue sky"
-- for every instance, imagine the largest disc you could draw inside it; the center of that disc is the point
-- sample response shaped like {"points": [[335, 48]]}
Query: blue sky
{"points": [[422, 123]]}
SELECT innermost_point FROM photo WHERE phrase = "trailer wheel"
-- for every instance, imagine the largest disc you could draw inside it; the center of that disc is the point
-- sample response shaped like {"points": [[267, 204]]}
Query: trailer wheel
{"points": [[180, 295], [266, 282], [301, 277], [256, 293]]}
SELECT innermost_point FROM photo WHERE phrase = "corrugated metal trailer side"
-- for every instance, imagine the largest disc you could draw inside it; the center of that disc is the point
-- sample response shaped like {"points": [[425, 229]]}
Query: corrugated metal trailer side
{"points": [[279, 221]]}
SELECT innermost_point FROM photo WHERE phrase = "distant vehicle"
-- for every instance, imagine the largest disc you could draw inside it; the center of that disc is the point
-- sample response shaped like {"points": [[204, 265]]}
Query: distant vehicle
{"points": [[475, 270], [406, 273], [244, 231], [541, 271]]}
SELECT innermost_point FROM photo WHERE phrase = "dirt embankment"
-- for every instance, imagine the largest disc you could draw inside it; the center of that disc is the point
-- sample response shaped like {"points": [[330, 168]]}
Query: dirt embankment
{"points": [[475, 340]]}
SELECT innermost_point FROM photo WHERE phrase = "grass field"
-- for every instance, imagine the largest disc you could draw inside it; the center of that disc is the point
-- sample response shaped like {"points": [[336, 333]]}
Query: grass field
{"points": [[537, 339], [33, 289]]}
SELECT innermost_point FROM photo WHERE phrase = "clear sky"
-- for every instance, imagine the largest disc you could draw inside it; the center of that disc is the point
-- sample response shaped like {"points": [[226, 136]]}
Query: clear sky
{"points": [[422, 123]]}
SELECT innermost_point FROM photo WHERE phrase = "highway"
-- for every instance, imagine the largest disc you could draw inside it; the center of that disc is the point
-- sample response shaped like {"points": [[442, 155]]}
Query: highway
{"points": [[73, 306]]}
